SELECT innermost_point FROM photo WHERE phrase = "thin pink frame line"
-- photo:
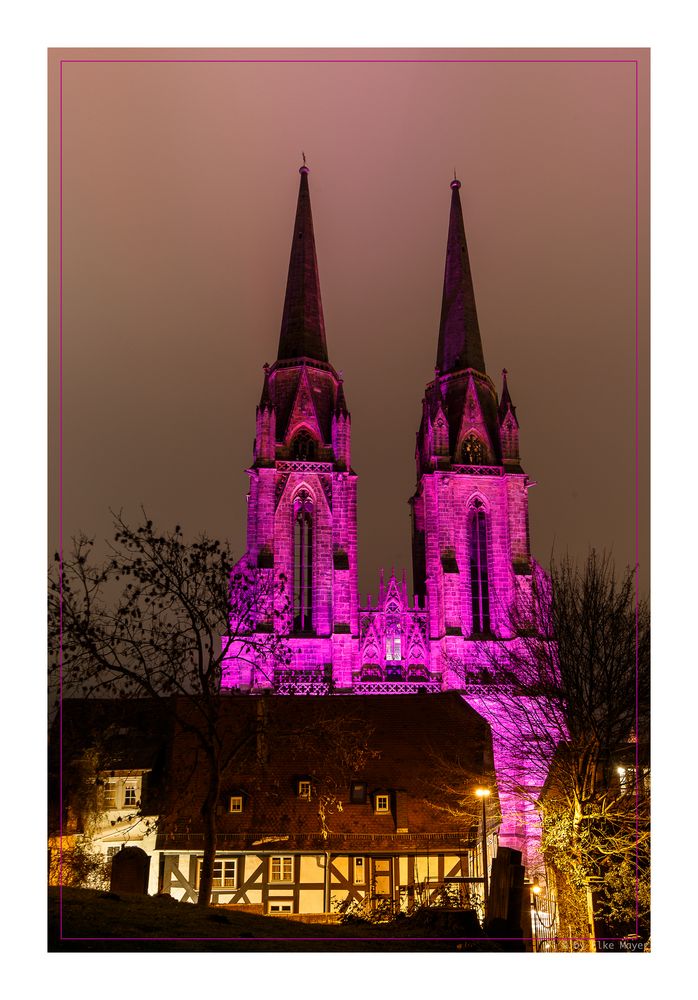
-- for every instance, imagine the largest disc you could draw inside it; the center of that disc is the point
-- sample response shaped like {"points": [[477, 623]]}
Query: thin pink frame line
{"points": [[384, 62], [637, 502], [481, 940], [60, 421], [60, 500]]}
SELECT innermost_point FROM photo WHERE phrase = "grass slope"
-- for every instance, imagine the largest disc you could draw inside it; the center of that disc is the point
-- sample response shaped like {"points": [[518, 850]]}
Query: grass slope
{"points": [[95, 921]]}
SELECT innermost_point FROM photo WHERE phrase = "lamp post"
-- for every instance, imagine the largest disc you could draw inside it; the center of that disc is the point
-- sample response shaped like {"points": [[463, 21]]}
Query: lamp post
{"points": [[535, 893], [483, 794]]}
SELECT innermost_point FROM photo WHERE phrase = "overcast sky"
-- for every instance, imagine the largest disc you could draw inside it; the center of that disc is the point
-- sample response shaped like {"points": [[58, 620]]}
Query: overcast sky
{"points": [[179, 188]]}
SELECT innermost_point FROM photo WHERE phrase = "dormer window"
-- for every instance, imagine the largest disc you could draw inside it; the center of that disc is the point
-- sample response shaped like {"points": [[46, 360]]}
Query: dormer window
{"points": [[357, 793], [235, 804], [382, 804], [304, 788], [122, 792]]}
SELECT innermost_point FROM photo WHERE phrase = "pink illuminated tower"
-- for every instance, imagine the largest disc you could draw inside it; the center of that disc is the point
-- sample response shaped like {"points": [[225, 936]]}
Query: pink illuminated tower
{"points": [[471, 557], [301, 515], [472, 563]]}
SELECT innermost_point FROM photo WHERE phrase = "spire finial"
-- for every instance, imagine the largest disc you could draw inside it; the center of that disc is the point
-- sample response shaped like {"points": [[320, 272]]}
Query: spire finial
{"points": [[305, 169], [302, 325], [460, 346], [455, 183]]}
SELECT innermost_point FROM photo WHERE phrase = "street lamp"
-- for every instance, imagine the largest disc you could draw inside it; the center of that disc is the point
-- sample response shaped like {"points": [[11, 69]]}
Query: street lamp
{"points": [[483, 794]]}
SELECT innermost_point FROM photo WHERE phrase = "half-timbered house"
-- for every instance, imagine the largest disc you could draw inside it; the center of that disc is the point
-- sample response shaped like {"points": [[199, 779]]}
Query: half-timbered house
{"points": [[344, 800], [106, 768]]}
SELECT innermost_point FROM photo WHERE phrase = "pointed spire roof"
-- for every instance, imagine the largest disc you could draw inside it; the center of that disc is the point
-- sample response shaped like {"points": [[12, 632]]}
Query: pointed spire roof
{"points": [[265, 401], [459, 334], [505, 402], [341, 404], [303, 325]]}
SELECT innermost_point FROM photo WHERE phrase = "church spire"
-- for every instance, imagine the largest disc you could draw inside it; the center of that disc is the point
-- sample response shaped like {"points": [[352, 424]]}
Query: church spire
{"points": [[459, 334], [303, 326]]}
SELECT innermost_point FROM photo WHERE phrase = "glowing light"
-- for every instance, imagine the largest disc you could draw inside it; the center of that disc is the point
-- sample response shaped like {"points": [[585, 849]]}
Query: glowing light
{"points": [[482, 793]]}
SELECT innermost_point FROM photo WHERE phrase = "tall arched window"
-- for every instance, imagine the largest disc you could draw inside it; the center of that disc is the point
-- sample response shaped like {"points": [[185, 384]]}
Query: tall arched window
{"points": [[393, 643], [303, 562], [303, 447], [479, 576]]}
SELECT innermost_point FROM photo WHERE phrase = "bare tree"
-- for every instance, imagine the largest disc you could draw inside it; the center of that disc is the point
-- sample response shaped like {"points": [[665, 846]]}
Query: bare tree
{"points": [[159, 618], [568, 694]]}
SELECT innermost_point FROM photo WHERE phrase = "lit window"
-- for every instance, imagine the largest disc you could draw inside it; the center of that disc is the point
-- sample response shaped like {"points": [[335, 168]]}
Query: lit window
{"points": [[473, 452], [109, 792], [224, 873], [382, 803], [393, 646], [303, 789], [359, 871], [235, 805], [281, 869], [627, 776], [130, 793], [121, 793]]}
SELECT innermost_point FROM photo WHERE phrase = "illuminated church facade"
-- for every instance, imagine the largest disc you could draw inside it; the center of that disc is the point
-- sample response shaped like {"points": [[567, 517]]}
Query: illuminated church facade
{"points": [[470, 536]]}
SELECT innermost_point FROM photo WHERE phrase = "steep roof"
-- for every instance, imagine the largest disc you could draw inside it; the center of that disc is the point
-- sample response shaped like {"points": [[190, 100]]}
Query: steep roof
{"points": [[460, 345], [415, 745], [303, 326]]}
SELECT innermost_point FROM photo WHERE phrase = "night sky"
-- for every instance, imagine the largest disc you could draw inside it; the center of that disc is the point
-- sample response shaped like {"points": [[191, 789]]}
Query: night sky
{"points": [[179, 193]]}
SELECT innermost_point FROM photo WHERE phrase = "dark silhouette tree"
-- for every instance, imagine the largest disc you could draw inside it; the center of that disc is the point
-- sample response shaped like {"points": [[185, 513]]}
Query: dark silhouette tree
{"points": [[157, 619]]}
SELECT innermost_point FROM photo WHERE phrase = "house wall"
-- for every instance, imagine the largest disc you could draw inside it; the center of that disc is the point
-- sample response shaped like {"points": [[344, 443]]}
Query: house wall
{"points": [[412, 879]]}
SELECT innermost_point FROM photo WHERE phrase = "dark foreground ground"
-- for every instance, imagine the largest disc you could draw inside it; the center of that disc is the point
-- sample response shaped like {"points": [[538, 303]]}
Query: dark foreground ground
{"points": [[96, 921]]}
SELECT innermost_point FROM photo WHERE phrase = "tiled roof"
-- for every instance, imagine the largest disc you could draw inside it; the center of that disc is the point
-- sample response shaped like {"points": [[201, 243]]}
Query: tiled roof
{"points": [[409, 738]]}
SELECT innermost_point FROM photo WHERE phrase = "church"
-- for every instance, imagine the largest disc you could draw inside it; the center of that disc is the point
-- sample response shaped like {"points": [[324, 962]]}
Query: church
{"points": [[472, 563]]}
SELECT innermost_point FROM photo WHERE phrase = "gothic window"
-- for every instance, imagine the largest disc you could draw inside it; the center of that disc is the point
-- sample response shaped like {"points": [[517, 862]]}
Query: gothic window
{"points": [[303, 447], [303, 562], [479, 576], [473, 451], [393, 643]]}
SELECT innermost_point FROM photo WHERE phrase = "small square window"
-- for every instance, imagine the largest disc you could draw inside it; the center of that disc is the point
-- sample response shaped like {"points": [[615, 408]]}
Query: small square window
{"points": [[304, 789], [357, 792], [382, 803], [281, 908], [359, 871], [235, 804]]}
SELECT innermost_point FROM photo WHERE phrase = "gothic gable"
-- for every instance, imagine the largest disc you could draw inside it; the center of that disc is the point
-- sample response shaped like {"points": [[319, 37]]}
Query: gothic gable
{"points": [[303, 418], [473, 446]]}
